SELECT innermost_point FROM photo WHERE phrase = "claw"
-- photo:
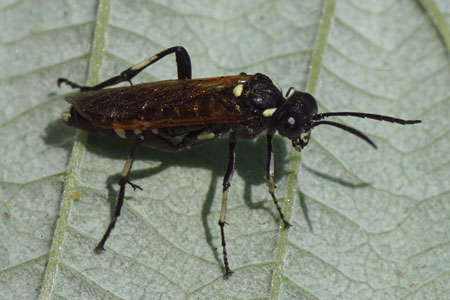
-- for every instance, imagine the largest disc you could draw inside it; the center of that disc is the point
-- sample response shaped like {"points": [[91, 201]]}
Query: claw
{"points": [[99, 249], [134, 186], [228, 273], [286, 224], [69, 83]]}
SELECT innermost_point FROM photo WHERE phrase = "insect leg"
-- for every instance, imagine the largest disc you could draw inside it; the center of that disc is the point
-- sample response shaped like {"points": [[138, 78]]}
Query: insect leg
{"points": [[269, 177], [226, 185], [124, 180], [183, 68]]}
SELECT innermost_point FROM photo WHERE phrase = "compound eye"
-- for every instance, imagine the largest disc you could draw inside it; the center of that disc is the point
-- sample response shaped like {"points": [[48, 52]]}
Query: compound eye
{"points": [[289, 125]]}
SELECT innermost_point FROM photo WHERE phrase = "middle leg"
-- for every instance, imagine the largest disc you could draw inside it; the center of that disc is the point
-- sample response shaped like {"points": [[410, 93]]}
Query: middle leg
{"points": [[124, 180]]}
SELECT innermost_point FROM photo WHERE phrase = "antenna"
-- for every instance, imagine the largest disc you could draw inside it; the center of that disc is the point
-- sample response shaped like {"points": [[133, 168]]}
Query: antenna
{"points": [[364, 115], [348, 129]]}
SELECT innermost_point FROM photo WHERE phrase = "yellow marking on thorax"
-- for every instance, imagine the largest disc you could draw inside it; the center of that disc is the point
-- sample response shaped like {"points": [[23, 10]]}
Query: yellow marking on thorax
{"points": [[237, 91], [66, 115], [269, 112], [120, 132], [206, 135], [276, 85]]}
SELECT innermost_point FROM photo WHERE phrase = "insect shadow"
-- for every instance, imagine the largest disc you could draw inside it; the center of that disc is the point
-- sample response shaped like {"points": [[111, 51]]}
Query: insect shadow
{"points": [[58, 134], [325, 177], [336, 179], [250, 165], [250, 160]]}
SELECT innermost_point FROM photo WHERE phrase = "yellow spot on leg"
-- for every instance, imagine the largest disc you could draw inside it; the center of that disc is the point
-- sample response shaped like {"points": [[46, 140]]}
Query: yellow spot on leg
{"points": [[223, 210], [126, 168], [143, 63], [271, 184]]}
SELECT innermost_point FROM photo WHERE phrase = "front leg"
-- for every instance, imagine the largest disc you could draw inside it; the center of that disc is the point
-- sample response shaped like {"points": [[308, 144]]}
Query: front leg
{"points": [[269, 177], [226, 185], [183, 67]]}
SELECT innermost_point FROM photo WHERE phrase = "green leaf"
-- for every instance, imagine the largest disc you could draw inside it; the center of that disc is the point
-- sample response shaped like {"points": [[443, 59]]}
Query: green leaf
{"points": [[368, 224]]}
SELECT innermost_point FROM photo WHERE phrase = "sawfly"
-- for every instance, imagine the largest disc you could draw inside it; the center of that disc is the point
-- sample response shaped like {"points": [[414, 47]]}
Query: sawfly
{"points": [[176, 115]]}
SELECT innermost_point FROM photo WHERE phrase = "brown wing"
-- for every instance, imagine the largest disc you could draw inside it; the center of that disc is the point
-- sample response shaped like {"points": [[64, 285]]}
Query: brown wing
{"points": [[164, 104]]}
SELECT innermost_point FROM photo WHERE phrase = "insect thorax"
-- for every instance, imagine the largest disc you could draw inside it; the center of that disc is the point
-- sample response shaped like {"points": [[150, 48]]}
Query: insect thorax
{"points": [[261, 93]]}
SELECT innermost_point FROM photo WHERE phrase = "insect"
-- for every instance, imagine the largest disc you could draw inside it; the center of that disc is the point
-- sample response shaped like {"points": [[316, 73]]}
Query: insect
{"points": [[176, 115]]}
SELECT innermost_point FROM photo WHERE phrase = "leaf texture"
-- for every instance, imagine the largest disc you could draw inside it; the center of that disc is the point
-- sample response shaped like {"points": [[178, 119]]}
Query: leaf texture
{"points": [[368, 224]]}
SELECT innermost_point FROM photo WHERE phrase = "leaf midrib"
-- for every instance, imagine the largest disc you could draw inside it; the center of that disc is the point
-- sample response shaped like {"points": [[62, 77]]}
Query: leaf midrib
{"points": [[74, 169], [315, 67]]}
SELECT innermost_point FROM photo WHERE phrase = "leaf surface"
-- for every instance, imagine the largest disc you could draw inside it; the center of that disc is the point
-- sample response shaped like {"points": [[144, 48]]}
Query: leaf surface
{"points": [[368, 224]]}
